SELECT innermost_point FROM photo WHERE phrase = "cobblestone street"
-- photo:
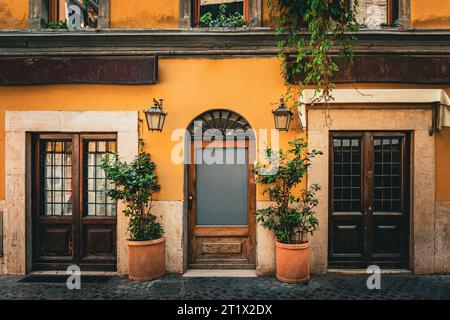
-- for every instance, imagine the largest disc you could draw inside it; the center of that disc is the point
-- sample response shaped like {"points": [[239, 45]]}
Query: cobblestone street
{"points": [[176, 287]]}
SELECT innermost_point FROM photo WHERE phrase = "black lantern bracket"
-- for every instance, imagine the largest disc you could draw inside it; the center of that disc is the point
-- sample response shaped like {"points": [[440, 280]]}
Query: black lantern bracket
{"points": [[155, 116]]}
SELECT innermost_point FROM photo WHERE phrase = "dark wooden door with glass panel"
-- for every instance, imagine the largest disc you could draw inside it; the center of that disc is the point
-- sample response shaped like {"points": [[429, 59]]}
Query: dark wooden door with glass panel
{"points": [[221, 206], [369, 199], [74, 222]]}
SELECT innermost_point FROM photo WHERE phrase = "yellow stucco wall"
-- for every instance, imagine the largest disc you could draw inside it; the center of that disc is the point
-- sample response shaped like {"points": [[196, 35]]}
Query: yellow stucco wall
{"points": [[144, 14], [443, 165], [13, 14], [250, 87], [430, 14]]}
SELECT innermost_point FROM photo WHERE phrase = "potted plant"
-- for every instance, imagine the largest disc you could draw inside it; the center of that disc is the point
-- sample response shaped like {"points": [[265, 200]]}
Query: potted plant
{"points": [[291, 218], [135, 184]]}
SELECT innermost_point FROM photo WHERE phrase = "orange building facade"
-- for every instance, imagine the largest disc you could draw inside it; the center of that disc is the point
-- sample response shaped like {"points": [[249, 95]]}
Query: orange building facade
{"points": [[67, 96]]}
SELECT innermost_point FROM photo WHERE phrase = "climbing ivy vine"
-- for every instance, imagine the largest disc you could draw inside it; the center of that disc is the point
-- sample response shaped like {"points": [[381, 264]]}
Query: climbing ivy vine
{"points": [[320, 34]]}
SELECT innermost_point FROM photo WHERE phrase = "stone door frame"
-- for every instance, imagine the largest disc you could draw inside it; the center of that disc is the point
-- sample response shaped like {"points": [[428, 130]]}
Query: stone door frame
{"points": [[19, 125]]}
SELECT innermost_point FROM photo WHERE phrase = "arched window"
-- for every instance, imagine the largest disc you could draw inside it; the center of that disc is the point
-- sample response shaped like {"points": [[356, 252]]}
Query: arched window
{"points": [[220, 124]]}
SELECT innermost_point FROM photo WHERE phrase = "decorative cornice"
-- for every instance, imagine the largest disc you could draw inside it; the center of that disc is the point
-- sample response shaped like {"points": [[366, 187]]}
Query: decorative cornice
{"points": [[247, 42]]}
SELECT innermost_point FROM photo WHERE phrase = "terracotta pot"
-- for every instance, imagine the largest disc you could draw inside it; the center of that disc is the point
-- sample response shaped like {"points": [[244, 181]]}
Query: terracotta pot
{"points": [[146, 259], [292, 262]]}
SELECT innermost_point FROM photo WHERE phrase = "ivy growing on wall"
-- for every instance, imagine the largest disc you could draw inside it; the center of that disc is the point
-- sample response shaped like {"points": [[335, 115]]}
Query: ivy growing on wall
{"points": [[320, 36]]}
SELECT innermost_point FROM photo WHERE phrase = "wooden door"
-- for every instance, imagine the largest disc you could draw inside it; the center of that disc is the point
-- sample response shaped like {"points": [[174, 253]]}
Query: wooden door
{"points": [[369, 199], [74, 222], [222, 201]]}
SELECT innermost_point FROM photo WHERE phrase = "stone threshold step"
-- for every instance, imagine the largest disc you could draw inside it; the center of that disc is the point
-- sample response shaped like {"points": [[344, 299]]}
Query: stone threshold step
{"points": [[223, 266], [83, 273], [217, 273], [364, 271]]}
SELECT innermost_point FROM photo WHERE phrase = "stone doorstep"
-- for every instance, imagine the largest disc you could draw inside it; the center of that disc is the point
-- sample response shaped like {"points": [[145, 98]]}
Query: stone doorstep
{"points": [[351, 272], [63, 272], [218, 273]]}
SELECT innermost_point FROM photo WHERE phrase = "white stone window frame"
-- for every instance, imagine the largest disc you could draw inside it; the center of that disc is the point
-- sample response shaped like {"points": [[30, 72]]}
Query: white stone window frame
{"points": [[35, 8], [19, 125]]}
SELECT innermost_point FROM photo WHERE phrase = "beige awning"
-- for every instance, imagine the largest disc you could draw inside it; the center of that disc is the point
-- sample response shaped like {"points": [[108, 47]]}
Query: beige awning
{"points": [[383, 96]]}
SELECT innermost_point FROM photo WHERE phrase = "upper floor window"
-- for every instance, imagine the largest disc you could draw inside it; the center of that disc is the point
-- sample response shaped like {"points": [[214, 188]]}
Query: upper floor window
{"points": [[70, 14], [220, 13], [377, 14]]}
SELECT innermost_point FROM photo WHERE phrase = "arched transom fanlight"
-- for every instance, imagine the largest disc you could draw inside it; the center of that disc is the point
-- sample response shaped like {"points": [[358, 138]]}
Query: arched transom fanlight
{"points": [[216, 123]]}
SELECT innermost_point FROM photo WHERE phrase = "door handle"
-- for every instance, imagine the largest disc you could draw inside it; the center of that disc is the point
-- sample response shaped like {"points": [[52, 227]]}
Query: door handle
{"points": [[191, 199]]}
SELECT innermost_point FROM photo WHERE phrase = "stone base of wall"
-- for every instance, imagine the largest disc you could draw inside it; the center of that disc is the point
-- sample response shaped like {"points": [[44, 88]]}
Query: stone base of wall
{"points": [[442, 237]]}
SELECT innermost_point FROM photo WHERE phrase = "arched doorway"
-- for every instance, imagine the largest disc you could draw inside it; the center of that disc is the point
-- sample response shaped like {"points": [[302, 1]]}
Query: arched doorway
{"points": [[221, 192]]}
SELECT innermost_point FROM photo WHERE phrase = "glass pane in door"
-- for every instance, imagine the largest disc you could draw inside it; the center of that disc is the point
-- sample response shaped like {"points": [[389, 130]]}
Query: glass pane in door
{"points": [[388, 174], [98, 203], [57, 174], [222, 186], [347, 174]]}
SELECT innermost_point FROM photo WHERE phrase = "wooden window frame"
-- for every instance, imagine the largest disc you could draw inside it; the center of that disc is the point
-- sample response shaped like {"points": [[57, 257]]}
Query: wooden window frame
{"points": [[35, 11], [190, 13], [393, 8], [196, 11]]}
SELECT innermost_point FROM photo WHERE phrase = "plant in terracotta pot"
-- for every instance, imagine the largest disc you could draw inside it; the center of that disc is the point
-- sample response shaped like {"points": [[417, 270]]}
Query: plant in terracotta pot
{"points": [[291, 217], [135, 183]]}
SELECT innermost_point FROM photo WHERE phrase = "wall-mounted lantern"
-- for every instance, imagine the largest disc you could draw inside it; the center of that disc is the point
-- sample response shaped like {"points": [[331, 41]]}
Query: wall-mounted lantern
{"points": [[156, 116], [282, 116]]}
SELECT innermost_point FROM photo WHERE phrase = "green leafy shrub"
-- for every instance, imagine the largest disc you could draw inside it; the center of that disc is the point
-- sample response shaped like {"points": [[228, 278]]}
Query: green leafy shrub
{"points": [[292, 217], [135, 184], [54, 25], [223, 20]]}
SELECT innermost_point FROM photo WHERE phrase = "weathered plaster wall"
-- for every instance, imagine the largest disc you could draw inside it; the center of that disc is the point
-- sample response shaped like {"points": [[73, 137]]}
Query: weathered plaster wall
{"points": [[171, 215], [443, 201], [443, 165], [141, 14], [427, 14], [189, 87], [13, 14], [265, 246]]}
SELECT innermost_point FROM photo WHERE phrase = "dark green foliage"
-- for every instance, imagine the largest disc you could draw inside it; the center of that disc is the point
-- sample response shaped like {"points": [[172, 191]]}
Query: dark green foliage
{"points": [[222, 20], [291, 218], [60, 25], [135, 184], [330, 26]]}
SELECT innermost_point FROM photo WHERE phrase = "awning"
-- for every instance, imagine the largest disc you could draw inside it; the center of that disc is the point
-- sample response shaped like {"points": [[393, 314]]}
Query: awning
{"points": [[367, 96]]}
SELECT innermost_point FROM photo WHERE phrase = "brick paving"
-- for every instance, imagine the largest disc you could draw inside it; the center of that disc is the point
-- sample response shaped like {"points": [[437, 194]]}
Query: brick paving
{"points": [[262, 288]]}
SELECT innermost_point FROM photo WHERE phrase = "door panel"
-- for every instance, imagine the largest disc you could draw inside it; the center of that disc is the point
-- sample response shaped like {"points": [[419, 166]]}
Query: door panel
{"points": [[53, 220], [98, 216], [346, 205], [221, 206], [64, 230], [368, 199]]}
